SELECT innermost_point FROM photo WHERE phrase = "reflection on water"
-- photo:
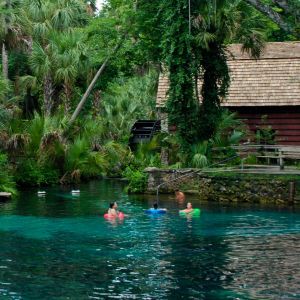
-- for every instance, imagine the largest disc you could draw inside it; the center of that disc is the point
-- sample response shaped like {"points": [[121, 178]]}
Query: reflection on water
{"points": [[268, 266], [60, 247]]}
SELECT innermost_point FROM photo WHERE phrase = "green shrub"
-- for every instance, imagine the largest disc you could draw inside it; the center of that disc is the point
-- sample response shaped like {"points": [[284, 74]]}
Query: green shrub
{"points": [[7, 183], [124, 102], [265, 134], [83, 163], [137, 180], [250, 159], [30, 173]]}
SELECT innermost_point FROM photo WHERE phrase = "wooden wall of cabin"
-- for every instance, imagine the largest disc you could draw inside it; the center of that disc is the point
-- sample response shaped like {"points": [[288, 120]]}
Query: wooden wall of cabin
{"points": [[284, 120]]}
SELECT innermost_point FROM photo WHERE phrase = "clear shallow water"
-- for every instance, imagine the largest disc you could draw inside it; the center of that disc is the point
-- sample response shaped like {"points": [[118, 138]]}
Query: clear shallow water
{"points": [[60, 247]]}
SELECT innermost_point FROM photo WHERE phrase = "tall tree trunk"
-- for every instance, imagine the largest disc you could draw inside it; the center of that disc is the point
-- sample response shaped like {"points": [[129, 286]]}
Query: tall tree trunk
{"points": [[96, 103], [89, 89], [215, 86], [4, 62], [48, 93], [270, 13], [68, 95], [287, 7]]}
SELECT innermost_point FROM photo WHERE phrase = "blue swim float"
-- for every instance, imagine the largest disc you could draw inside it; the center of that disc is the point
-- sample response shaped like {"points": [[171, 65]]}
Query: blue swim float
{"points": [[153, 211]]}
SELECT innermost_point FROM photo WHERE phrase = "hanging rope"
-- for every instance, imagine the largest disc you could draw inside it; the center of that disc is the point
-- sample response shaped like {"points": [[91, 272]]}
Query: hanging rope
{"points": [[190, 17]]}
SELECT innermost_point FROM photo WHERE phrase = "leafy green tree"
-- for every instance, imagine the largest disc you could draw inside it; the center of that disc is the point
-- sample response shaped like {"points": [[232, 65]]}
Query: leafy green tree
{"points": [[41, 21], [182, 105], [115, 45]]}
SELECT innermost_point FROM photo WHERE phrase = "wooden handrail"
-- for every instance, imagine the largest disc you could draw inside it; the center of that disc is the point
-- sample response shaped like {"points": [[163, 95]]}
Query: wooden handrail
{"points": [[260, 147]]}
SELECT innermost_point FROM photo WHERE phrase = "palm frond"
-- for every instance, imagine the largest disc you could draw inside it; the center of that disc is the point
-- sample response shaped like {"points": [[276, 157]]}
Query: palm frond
{"points": [[28, 82], [235, 137]]}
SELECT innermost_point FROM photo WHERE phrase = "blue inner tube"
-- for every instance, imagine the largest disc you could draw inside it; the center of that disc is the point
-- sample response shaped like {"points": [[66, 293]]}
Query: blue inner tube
{"points": [[153, 211]]}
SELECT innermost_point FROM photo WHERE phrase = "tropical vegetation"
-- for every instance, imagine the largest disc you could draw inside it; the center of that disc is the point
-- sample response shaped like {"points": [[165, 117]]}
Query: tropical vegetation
{"points": [[74, 80]]}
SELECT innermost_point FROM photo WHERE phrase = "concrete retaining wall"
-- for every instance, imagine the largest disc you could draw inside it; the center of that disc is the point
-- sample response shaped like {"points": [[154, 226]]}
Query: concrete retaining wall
{"points": [[234, 188]]}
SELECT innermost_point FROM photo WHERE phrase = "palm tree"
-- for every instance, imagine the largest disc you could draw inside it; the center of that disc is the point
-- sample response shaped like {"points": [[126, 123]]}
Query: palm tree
{"points": [[9, 111], [5, 112], [71, 59], [60, 64], [40, 62], [215, 25], [8, 30], [42, 20]]}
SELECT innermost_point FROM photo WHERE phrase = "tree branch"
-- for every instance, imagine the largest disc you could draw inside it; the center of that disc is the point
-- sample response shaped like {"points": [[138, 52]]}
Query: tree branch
{"points": [[269, 12], [284, 5]]}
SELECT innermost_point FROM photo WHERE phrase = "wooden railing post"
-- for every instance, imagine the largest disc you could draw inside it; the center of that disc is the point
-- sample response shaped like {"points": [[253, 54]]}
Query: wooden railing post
{"points": [[281, 162], [291, 191]]}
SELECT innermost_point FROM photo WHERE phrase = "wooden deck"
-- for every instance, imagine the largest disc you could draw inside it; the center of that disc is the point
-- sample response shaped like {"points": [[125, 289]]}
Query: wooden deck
{"points": [[267, 153], [256, 169]]}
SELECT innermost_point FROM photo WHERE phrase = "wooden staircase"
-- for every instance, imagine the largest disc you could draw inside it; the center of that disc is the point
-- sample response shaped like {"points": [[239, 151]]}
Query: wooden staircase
{"points": [[143, 131]]}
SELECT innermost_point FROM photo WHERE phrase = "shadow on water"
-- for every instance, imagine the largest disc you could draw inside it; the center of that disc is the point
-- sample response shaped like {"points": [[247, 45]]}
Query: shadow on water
{"points": [[60, 247]]}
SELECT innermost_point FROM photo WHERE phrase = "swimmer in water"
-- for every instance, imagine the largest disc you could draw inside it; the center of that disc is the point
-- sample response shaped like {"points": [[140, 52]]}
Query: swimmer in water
{"points": [[180, 196], [114, 212], [113, 209], [189, 208], [155, 206]]}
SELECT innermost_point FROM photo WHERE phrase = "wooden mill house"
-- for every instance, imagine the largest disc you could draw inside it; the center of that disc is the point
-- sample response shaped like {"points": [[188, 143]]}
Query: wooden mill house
{"points": [[264, 92]]}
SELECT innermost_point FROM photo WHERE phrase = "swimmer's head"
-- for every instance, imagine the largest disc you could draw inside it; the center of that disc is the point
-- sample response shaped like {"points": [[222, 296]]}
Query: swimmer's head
{"points": [[113, 205], [155, 205], [189, 205]]}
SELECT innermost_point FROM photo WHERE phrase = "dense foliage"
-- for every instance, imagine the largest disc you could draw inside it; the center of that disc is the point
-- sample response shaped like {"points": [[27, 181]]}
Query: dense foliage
{"points": [[7, 183], [51, 50], [182, 105], [201, 53]]}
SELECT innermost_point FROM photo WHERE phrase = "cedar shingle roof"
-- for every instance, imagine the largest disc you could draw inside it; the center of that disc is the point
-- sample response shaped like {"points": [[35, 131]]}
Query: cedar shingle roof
{"points": [[272, 80]]}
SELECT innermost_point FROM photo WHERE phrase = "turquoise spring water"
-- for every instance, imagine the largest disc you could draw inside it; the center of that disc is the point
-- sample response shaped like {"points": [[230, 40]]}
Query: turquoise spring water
{"points": [[60, 247]]}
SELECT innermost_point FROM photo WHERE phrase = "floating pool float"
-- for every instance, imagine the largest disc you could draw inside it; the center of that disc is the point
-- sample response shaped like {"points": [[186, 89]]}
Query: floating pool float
{"points": [[196, 212], [120, 216], [153, 211], [75, 192], [41, 194]]}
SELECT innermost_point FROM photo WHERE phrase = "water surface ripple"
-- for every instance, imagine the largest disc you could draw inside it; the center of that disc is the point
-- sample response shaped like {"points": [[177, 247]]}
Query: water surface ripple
{"points": [[60, 247]]}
